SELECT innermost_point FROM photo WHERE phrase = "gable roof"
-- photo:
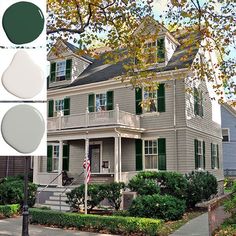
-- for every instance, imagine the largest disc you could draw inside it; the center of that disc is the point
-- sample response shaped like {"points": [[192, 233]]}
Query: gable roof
{"points": [[230, 109], [99, 71]]}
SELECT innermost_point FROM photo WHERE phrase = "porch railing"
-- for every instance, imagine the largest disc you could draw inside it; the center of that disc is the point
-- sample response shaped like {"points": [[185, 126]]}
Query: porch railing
{"points": [[93, 119]]}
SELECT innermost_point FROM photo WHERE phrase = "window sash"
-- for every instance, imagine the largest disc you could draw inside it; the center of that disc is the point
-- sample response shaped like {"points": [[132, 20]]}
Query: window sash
{"points": [[200, 154], [60, 70], [151, 154], [59, 105], [214, 156], [225, 135], [101, 102], [55, 158], [150, 100]]}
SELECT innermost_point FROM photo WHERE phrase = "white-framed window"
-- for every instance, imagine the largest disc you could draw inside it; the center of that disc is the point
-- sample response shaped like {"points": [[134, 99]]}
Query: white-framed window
{"points": [[101, 102], [60, 70], [214, 156], [199, 155], [150, 154], [150, 100], [225, 135], [55, 157], [59, 105]]}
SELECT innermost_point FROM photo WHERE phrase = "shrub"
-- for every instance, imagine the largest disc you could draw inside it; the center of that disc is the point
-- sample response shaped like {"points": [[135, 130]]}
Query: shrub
{"points": [[164, 207], [12, 191], [201, 186], [230, 204], [143, 186], [95, 195], [113, 193], [9, 210], [171, 183], [112, 224]]}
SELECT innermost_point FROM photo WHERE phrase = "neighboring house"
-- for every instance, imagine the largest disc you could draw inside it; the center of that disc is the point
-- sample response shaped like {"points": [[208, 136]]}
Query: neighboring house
{"points": [[179, 131], [228, 116], [13, 166]]}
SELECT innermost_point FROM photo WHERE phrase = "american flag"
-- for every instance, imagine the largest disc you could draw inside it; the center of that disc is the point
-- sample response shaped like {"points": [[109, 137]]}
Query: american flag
{"points": [[88, 169]]}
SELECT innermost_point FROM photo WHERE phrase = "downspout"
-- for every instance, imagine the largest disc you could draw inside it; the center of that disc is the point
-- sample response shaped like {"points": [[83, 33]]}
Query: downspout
{"points": [[175, 130], [119, 154]]}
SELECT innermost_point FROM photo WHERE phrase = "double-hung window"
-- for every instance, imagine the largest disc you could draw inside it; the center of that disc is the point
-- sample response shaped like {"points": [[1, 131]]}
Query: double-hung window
{"points": [[225, 134], [60, 70], [150, 100], [199, 154], [101, 102], [55, 158], [214, 156], [59, 105], [151, 154]]}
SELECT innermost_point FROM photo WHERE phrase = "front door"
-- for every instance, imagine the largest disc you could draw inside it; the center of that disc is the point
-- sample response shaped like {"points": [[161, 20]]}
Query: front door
{"points": [[94, 157]]}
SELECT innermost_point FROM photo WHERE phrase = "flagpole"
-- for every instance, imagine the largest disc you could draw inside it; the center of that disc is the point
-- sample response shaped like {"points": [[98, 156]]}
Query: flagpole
{"points": [[86, 176]]}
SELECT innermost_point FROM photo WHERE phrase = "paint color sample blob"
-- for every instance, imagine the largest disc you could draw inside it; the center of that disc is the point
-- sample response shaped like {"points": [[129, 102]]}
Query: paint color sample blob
{"points": [[23, 128], [23, 22], [23, 78]]}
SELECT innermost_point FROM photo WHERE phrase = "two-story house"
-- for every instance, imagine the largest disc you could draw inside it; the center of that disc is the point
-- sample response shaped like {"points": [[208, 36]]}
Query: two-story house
{"points": [[178, 131], [228, 116]]}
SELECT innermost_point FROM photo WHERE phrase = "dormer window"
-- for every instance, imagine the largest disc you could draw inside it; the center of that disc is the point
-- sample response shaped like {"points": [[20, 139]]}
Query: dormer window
{"points": [[60, 70], [154, 52]]}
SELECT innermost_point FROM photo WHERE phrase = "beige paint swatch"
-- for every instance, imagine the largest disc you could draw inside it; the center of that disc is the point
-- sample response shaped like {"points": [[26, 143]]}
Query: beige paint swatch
{"points": [[22, 128], [23, 78]]}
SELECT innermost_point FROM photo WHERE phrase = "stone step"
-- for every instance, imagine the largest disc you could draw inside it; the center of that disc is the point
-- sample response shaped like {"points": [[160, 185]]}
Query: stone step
{"points": [[57, 198], [62, 194], [50, 202], [56, 207]]}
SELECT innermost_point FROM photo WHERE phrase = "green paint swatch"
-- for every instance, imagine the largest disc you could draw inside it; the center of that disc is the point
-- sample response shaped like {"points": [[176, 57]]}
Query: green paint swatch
{"points": [[23, 22]]}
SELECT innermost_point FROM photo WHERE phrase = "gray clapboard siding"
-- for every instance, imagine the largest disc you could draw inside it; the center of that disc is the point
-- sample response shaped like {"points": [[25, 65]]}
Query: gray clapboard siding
{"points": [[128, 158], [78, 104], [78, 66]]}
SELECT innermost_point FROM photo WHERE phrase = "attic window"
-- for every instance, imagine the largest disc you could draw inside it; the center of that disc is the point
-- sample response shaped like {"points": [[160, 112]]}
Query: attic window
{"points": [[60, 70]]}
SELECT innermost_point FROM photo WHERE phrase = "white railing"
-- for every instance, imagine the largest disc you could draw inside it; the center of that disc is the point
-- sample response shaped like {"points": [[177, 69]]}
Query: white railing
{"points": [[91, 119]]}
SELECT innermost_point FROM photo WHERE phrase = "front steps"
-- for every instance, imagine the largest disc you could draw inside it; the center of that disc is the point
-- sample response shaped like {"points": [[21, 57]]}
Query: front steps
{"points": [[50, 197]]}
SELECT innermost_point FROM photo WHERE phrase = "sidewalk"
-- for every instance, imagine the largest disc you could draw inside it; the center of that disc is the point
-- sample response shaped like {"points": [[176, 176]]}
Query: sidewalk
{"points": [[196, 227], [12, 227]]}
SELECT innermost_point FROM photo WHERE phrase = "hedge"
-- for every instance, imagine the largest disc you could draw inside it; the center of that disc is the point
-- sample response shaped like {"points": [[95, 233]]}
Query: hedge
{"points": [[113, 224], [9, 210]]}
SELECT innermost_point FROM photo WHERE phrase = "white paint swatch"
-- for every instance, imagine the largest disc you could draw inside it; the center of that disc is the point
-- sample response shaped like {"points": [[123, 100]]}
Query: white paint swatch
{"points": [[23, 128], [23, 78]]}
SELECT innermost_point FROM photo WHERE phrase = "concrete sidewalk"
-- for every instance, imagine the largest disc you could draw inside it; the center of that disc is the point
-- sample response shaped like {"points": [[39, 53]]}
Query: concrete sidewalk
{"points": [[195, 227], [12, 227]]}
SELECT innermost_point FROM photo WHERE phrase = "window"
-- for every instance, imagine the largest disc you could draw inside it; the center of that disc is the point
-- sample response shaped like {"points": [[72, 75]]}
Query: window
{"points": [[59, 105], [214, 156], [199, 154], [101, 102], [150, 100], [151, 154], [198, 99], [225, 134], [55, 158], [60, 70]]}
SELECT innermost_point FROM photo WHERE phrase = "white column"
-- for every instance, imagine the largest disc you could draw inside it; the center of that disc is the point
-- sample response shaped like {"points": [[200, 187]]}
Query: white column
{"points": [[116, 160], [120, 166], [60, 161], [87, 117], [85, 177], [36, 169]]}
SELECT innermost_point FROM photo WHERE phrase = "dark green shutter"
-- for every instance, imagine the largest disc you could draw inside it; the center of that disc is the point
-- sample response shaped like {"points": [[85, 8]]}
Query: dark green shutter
{"points": [[196, 153], [161, 106], [66, 154], [204, 156], [91, 103], [161, 50], [68, 69], [66, 106], [162, 154], [50, 108], [138, 99], [139, 154], [53, 72], [212, 159], [218, 157], [110, 100], [49, 158]]}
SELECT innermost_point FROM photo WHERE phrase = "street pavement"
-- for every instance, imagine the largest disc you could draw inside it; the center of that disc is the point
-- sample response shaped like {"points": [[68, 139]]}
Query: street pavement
{"points": [[13, 227]]}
